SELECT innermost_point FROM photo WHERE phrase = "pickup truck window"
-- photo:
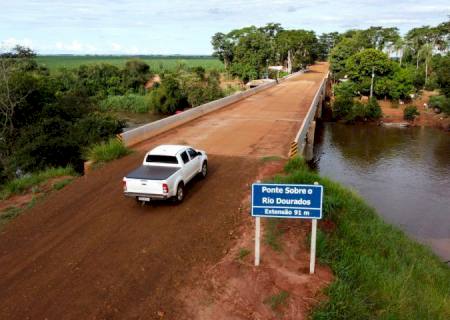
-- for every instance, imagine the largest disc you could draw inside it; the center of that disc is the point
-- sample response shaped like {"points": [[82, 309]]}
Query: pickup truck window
{"points": [[185, 157], [161, 159], [192, 153]]}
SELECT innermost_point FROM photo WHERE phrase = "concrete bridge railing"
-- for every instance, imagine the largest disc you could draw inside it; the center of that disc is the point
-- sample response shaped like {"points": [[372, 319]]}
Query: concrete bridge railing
{"points": [[304, 139]]}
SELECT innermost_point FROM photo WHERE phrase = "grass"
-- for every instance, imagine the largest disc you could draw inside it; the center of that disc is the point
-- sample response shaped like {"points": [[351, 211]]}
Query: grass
{"points": [[276, 301], [243, 252], [9, 214], [272, 234], [13, 212], [271, 158], [21, 185], [157, 64], [107, 151], [130, 103], [61, 184], [380, 272]]}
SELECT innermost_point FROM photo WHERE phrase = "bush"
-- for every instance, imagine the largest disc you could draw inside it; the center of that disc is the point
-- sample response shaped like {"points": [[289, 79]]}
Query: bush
{"points": [[350, 111], [107, 151], [342, 106], [373, 110], [410, 113], [440, 102], [130, 102], [24, 183], [345, 89], [203, 89], [59, 139], [169, 97]]}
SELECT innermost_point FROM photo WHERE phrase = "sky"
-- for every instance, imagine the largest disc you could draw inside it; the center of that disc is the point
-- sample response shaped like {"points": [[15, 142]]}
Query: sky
{"points": [[186, 26]]}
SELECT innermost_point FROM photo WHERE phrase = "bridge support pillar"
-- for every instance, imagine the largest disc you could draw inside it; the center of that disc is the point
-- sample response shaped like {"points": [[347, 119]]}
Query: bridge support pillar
{"points": [[309, 146], [318, 114]]}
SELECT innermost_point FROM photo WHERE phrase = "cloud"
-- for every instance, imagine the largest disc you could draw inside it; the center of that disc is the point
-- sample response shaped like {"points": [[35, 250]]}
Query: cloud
{"points": [[186, 26], [428, 8], [10, 43], [75, 47], [292, 9], [116, 47]]}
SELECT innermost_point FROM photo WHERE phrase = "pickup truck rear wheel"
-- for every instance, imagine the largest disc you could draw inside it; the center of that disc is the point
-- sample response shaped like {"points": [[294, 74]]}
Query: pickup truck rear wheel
{"points": [[204, 171], [180, 193]]}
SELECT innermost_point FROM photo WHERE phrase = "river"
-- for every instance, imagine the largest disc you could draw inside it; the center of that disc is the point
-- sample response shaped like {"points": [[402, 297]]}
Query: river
{"points": [[404, 173]]}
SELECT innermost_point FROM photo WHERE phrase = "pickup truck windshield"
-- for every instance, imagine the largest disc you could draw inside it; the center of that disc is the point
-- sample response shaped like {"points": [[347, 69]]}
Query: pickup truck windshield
{"points": [[161, 159]]}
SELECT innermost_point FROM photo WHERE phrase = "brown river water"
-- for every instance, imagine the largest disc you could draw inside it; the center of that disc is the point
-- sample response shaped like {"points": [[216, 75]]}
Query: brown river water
{"points": [[404, 173]]}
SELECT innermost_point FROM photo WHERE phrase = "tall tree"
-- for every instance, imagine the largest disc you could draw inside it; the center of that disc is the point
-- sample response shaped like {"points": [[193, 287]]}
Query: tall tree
{"points": [[223, 48]]}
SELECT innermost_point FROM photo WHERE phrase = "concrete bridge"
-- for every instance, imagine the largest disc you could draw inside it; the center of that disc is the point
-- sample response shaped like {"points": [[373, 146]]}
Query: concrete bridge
{"points": [[86, 252], [270, 118]]}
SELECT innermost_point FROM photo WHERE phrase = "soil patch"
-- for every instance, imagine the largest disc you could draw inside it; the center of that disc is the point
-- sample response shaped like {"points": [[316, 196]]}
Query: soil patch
{"points": [[427, 118], [23, 200], [281, 287]]}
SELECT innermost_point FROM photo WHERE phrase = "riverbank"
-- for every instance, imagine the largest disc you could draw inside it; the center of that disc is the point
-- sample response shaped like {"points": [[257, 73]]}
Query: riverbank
{"points": [[380, 272], [393, 113]]}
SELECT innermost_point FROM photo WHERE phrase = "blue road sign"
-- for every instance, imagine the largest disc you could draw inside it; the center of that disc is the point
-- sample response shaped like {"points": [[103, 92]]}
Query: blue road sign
{"points": [[302, 201]]}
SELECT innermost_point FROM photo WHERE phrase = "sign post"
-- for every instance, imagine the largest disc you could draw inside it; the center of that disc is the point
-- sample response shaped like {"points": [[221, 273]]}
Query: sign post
{"points": [[312, 257], [257, 240], [300, 201]]}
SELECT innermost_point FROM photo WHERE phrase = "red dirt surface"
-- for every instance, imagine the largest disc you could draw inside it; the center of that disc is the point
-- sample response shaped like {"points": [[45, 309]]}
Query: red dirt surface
{"points": [[427, 117], [86, 252]]}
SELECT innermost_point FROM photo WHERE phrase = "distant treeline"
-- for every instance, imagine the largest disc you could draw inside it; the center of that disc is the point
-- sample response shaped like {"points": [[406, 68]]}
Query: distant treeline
{"points": [[248, 52]]}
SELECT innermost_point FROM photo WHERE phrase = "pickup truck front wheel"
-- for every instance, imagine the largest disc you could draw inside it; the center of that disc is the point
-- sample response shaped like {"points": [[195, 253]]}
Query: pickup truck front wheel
{"points": [[180, 193]]}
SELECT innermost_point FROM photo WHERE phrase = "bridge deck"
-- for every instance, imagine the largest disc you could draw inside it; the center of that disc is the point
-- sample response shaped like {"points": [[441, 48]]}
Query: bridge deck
{"points": [[261, 125]]}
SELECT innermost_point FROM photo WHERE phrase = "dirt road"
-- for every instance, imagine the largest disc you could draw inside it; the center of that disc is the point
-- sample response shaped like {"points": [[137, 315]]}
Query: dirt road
{"points": [[85, 252]]}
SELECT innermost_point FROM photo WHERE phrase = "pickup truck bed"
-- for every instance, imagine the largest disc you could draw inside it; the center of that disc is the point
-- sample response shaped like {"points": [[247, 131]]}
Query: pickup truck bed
{"points": [[152, 173]]}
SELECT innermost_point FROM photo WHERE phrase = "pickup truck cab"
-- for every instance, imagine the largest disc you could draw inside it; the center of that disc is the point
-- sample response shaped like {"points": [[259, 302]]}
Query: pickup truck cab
{"points": [[165, 172]]}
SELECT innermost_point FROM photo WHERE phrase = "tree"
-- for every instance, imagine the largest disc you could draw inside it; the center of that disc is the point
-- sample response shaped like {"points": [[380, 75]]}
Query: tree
{"points": [[136, 74], [301, 45], [340, 53], [399, 47], [223, 48], [380, 37], [426, 51], [253, 51], [326, 42], [441, 67], [246, 52], [361, 64]]}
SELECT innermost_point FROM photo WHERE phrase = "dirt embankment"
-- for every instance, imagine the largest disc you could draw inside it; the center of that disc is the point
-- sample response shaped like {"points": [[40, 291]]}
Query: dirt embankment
{"points": [[393, 113], [280, 288]]}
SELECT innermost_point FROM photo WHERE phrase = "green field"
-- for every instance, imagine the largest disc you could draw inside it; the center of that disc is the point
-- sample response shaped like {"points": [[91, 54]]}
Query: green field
{"points": [[156, 63]]}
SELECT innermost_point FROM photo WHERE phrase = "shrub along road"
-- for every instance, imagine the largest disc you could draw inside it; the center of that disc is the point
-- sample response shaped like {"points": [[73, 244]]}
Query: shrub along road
{"points": [[87, 252]]}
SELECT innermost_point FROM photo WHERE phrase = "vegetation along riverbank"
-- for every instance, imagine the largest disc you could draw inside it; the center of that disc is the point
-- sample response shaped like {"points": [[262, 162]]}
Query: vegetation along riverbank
{"points": [[379, 272], [377, 66]]}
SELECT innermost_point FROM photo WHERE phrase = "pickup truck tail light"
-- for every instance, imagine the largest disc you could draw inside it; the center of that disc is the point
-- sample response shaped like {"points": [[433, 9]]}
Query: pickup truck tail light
{"points": [[124, 184], [165, 188]]}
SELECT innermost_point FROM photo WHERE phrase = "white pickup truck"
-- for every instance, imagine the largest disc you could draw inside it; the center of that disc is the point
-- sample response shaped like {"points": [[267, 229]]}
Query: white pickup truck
{"points": [[165, 172]]}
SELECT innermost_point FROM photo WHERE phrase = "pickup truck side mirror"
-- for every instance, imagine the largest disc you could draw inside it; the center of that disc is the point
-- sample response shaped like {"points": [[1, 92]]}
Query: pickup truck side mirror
{"points": [[199, 153]]}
